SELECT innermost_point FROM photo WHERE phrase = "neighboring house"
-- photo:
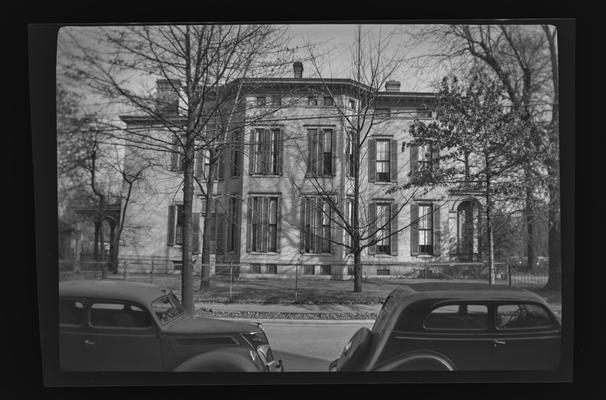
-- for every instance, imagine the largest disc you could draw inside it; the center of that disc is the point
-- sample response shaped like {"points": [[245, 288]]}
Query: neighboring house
{"points": [[268, 215]]}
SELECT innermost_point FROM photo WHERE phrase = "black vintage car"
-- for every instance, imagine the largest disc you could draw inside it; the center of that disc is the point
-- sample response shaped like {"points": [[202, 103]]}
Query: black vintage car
{"points": [[126, 326], [456, 326]]}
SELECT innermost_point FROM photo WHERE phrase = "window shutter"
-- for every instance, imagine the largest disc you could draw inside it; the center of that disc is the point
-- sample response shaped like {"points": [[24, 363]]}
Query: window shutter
{"points": [[435, 158], [171, 225], [249, 216], [196, 233], [280, 151], [199, 164], [393, 160], [264, 224], [347, 151], [333, 149], [220, 221], [394, 208], [278, 223], [414, 230], [372, 160], [311, 152], [436, 230], [414, 158], [320, 155], [251, 153], [302, 235], [372, 215], [174, 159], [333, 226]]}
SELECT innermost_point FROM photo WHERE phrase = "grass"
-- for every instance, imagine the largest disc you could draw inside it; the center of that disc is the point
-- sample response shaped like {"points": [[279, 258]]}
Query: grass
{"points": [[282, 291]]}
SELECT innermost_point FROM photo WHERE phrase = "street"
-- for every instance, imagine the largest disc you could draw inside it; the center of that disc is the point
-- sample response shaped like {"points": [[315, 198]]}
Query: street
{"points": [[309, 346]]}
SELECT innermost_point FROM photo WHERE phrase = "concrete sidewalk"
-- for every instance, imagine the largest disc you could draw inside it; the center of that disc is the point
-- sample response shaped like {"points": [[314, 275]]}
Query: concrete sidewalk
{"points": [[309, 308]]}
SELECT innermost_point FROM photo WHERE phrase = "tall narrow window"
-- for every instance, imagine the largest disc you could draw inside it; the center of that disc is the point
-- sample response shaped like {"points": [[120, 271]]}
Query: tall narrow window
{"points": [[320, 156], [383, 229], [425, 158], [233, 223], [383, 161], [349, 149], [316, 225], [425, 228], [177, 156], [266, 148], [236, 158], [264, 224]]}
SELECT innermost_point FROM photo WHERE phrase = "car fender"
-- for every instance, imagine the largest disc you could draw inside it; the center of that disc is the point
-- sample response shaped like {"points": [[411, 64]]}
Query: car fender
{"points": [[418, 361], [224, 360]]}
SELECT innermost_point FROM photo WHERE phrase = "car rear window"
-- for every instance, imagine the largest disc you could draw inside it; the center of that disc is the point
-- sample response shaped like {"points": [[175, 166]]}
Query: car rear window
{"points": [[118, 315], [167, 308], [70, 312], [457, 317], [523, 316]]}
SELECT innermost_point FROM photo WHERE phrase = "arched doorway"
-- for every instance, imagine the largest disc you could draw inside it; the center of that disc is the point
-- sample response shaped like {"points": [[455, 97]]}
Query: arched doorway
{"points": [[468, 235]]}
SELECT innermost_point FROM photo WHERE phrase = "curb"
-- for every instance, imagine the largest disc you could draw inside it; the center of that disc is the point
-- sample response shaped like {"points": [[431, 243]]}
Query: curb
{"points": [[303, 321]]}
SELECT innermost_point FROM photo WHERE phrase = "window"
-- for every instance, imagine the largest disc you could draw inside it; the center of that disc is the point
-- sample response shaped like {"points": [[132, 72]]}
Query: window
{"points": [[308, 269], [382, 112], [261, 101], [457, 317], [425, 228], [70, 312], [316, 225], [266, 152], [177, 265], [383, 227], [312, 100], [236, 157], [263, 222], [271, 269], [328, 101], [352, 104], [523, 316], [179, 224], [321, 143], [233, 223], [425, 158], [118, 315], [177, 156], [167, 308], [202, 205], [383, 161], [255, 268], [383, 271], [325, 269]]}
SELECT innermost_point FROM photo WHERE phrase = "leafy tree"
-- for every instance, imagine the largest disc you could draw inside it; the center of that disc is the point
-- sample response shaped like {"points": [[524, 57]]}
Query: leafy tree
{"points": [[476, 134]]}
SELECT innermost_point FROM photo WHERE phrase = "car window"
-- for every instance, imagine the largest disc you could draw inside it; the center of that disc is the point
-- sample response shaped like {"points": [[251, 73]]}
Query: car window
{"points": [[523, 316], [70, 312], [457, 317], [118, 315], [167, 308]]}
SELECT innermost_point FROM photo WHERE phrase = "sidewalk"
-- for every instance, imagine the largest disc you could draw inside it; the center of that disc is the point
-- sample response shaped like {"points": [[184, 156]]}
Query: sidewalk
{"points": [[305, 311]]}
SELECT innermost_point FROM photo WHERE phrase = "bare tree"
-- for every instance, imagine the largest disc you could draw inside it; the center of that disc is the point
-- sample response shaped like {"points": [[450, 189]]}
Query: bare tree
{"points": [[524, 59], [342, 203], [194, 62]]}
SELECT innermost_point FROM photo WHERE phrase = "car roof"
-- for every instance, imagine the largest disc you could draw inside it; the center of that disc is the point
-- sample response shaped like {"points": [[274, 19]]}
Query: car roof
{"points": [[138, 292], [462, 291]]}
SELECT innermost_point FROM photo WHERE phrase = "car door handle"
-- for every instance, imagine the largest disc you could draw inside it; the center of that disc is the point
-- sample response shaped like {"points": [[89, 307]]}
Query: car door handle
{"points": [[88, 343], [497, 342]]}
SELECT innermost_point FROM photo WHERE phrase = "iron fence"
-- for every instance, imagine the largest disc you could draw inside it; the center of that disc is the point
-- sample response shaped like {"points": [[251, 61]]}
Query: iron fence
{"points": [[301, 282]]}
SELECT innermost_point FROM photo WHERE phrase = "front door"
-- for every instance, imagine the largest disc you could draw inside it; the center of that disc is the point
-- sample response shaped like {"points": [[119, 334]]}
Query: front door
{"points": [[121, 337], [527, 337]]}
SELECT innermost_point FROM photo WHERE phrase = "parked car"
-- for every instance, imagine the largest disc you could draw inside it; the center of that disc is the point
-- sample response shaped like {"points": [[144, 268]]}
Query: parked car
{"points": [[456, 326], [125, 326]]}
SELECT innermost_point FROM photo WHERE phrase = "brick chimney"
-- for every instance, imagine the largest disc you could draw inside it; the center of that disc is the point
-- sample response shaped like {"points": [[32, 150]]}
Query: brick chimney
{"points": [[297, 68], [392, 86], [167, 98]]}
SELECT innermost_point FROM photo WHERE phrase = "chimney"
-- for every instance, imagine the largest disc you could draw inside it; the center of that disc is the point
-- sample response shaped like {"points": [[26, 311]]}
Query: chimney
{"points": [[392, 86], [298, 69], [167, 96]]}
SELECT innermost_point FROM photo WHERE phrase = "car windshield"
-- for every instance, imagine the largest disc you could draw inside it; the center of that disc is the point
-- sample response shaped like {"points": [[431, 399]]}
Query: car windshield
{"points": [[167, 308]]}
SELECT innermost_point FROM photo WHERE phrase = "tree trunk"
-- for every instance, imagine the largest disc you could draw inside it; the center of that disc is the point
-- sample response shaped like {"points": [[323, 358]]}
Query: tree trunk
{"points": [[531, 248], [205, 269], [357, 272], [188, 195]]}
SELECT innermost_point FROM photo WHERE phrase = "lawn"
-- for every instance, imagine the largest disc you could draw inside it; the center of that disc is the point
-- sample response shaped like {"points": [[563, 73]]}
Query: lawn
{"points": [[276, 291]]}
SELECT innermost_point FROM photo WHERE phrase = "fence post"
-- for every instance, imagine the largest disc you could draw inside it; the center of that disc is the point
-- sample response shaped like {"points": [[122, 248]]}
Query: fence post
{"points": [[296, 280], [509, 274]]}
